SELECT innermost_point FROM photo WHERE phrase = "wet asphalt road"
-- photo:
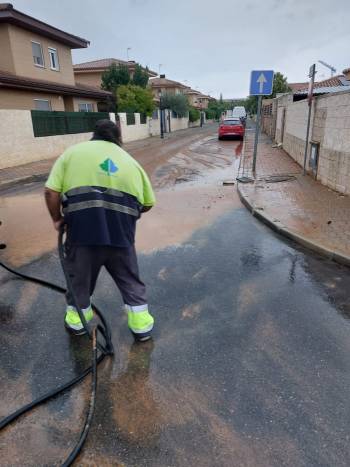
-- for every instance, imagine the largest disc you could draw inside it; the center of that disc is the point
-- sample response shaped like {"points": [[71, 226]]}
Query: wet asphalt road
{"points": [[249, 365]]}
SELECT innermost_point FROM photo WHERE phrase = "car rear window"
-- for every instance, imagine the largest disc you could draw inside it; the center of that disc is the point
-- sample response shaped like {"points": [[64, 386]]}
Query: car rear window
{"points": [[235, 121]]}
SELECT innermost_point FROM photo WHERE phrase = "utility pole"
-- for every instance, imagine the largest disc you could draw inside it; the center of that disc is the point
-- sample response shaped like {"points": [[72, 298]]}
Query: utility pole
{"points": [[161, 116], [312, 73], [127, 53]]}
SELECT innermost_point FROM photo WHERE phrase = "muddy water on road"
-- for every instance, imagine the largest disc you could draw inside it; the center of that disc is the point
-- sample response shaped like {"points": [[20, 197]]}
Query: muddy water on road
{"points": [[189, 195], [249, 364], [26, 227]]}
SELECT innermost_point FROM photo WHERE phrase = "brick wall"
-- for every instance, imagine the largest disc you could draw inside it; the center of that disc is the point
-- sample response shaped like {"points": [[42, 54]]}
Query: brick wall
{"points": [[268, 116]]}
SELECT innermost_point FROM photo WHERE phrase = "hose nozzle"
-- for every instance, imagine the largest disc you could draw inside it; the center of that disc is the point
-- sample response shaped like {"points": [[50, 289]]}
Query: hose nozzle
{"points": [[2, 245]]}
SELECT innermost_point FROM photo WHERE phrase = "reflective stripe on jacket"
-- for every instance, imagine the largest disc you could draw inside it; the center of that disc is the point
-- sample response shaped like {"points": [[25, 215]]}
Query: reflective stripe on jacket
{"points": [[100, 216]]}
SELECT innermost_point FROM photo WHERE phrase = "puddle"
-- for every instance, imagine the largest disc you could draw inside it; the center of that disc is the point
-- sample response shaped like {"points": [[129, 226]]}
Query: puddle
{"points": [[26, 227]]}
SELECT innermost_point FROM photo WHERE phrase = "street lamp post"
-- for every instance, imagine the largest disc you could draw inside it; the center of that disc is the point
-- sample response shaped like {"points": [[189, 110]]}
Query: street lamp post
{"points": [[161, 116]]}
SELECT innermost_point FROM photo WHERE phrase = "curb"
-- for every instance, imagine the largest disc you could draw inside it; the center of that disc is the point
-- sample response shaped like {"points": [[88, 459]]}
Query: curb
{"points": [[278, 227], [22, 180]]}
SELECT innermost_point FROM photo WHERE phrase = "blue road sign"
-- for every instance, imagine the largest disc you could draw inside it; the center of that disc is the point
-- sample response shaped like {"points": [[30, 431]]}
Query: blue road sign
{"points": [[261, 82]]}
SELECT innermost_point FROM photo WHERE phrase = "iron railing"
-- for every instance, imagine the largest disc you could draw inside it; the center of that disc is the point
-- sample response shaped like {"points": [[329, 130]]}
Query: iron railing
{"points": [[130, 119]]}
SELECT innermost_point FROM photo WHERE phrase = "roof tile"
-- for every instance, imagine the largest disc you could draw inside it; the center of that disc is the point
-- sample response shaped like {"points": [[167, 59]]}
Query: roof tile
{"points": [[10, 80]]}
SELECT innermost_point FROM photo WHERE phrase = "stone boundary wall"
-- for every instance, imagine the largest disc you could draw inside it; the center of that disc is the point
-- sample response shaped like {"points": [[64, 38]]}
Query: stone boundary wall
{"points": [[179, 123], [134, 132], [18, 145], [330, 128], [295, 147], [268, 116], [150, 128]]}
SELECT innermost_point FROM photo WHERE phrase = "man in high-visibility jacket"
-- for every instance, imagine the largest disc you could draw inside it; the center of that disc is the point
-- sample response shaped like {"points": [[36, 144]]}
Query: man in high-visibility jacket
{"points": [[99, 191]]}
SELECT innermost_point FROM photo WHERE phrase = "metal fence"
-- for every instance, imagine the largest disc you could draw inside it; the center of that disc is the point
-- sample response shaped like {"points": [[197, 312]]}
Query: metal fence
{"points": [[143, 118], [62, 123], [130, 119]]}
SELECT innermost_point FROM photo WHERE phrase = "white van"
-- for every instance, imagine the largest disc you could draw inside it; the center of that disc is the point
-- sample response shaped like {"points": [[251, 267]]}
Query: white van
{"points": [[239, 111]]}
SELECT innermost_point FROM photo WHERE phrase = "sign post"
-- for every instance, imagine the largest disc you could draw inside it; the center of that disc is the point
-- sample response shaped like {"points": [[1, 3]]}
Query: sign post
{"points": [[261, 84], [257, 130], [312, 73]]}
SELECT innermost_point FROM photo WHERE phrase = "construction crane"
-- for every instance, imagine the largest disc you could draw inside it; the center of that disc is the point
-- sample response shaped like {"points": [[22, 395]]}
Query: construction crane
{"points": [[330, 67]]}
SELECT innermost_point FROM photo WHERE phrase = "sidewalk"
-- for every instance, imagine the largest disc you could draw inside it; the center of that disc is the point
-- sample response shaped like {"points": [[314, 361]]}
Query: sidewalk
{"points": [[32, 172], [292, 204]]}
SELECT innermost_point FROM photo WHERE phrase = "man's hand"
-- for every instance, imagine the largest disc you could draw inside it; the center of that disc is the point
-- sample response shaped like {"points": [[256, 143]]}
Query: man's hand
{"points": [[57, 224], [146, 208]]}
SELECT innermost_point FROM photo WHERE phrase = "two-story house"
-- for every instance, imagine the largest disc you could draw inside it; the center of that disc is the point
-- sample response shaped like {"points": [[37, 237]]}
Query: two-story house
{"points": [[90, 73], [197, 99], [162, 85], [36, 70]]}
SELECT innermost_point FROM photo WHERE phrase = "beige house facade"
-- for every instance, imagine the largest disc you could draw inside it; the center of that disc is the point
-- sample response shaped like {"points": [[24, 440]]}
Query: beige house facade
{"points": [[36, 70], [162, 85], [197, 100], [90, 73]]}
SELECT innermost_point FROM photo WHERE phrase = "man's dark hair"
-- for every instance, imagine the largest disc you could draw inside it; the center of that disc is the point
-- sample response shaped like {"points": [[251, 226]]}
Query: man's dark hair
{"points": [[106, 130]]}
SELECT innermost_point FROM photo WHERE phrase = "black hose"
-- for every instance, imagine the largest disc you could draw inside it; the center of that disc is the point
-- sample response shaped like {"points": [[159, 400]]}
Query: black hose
{"points": [[72, 456], [106, 349]]}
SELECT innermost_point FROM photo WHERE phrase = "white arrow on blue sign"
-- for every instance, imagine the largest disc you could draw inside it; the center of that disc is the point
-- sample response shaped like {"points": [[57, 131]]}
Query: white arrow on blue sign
{"points": [[261, 82]]}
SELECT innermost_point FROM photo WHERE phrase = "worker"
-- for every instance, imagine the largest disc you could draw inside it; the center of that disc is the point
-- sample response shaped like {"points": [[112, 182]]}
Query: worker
{"points": [[99, 192]]}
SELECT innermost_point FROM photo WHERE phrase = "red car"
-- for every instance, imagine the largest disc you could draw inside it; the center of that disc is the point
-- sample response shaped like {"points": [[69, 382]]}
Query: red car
{"points": [[231, 127]]}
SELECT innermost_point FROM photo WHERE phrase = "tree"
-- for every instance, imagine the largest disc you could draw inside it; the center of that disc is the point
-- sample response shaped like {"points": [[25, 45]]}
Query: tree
{"points": [[280, 85], [252, 105], [131, 99], [140, 76], [215, 108], [115, 76], [237, 102], [194, 114], [176, 102]]}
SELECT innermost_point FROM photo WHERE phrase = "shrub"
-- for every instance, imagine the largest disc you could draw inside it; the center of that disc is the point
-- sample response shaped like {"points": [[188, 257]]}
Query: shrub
{"points": [[176, 102], [131, 99], [194, 114]]}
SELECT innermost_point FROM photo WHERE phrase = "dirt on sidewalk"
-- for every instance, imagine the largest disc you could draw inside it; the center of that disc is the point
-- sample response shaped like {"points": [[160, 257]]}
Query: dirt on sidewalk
{"points": [[295, 204]]}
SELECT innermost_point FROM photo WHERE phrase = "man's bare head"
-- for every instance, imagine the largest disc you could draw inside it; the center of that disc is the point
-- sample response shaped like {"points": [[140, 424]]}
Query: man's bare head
{"points": [[106, 130]]}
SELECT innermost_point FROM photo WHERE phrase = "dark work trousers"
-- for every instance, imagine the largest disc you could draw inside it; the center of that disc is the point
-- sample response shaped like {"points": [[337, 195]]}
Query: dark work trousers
{"points": [[85, 262]]}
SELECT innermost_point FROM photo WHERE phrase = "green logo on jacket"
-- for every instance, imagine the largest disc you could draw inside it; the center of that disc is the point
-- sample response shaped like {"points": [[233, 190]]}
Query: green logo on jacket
{"points": [[109, 166]]}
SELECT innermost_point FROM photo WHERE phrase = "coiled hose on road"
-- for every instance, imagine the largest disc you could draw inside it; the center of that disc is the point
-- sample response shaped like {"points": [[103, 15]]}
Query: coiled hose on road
{"points": [[105, 349]]}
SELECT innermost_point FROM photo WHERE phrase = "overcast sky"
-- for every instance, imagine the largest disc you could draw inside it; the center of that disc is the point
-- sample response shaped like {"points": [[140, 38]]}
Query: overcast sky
{"points": [[211, 44]]}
